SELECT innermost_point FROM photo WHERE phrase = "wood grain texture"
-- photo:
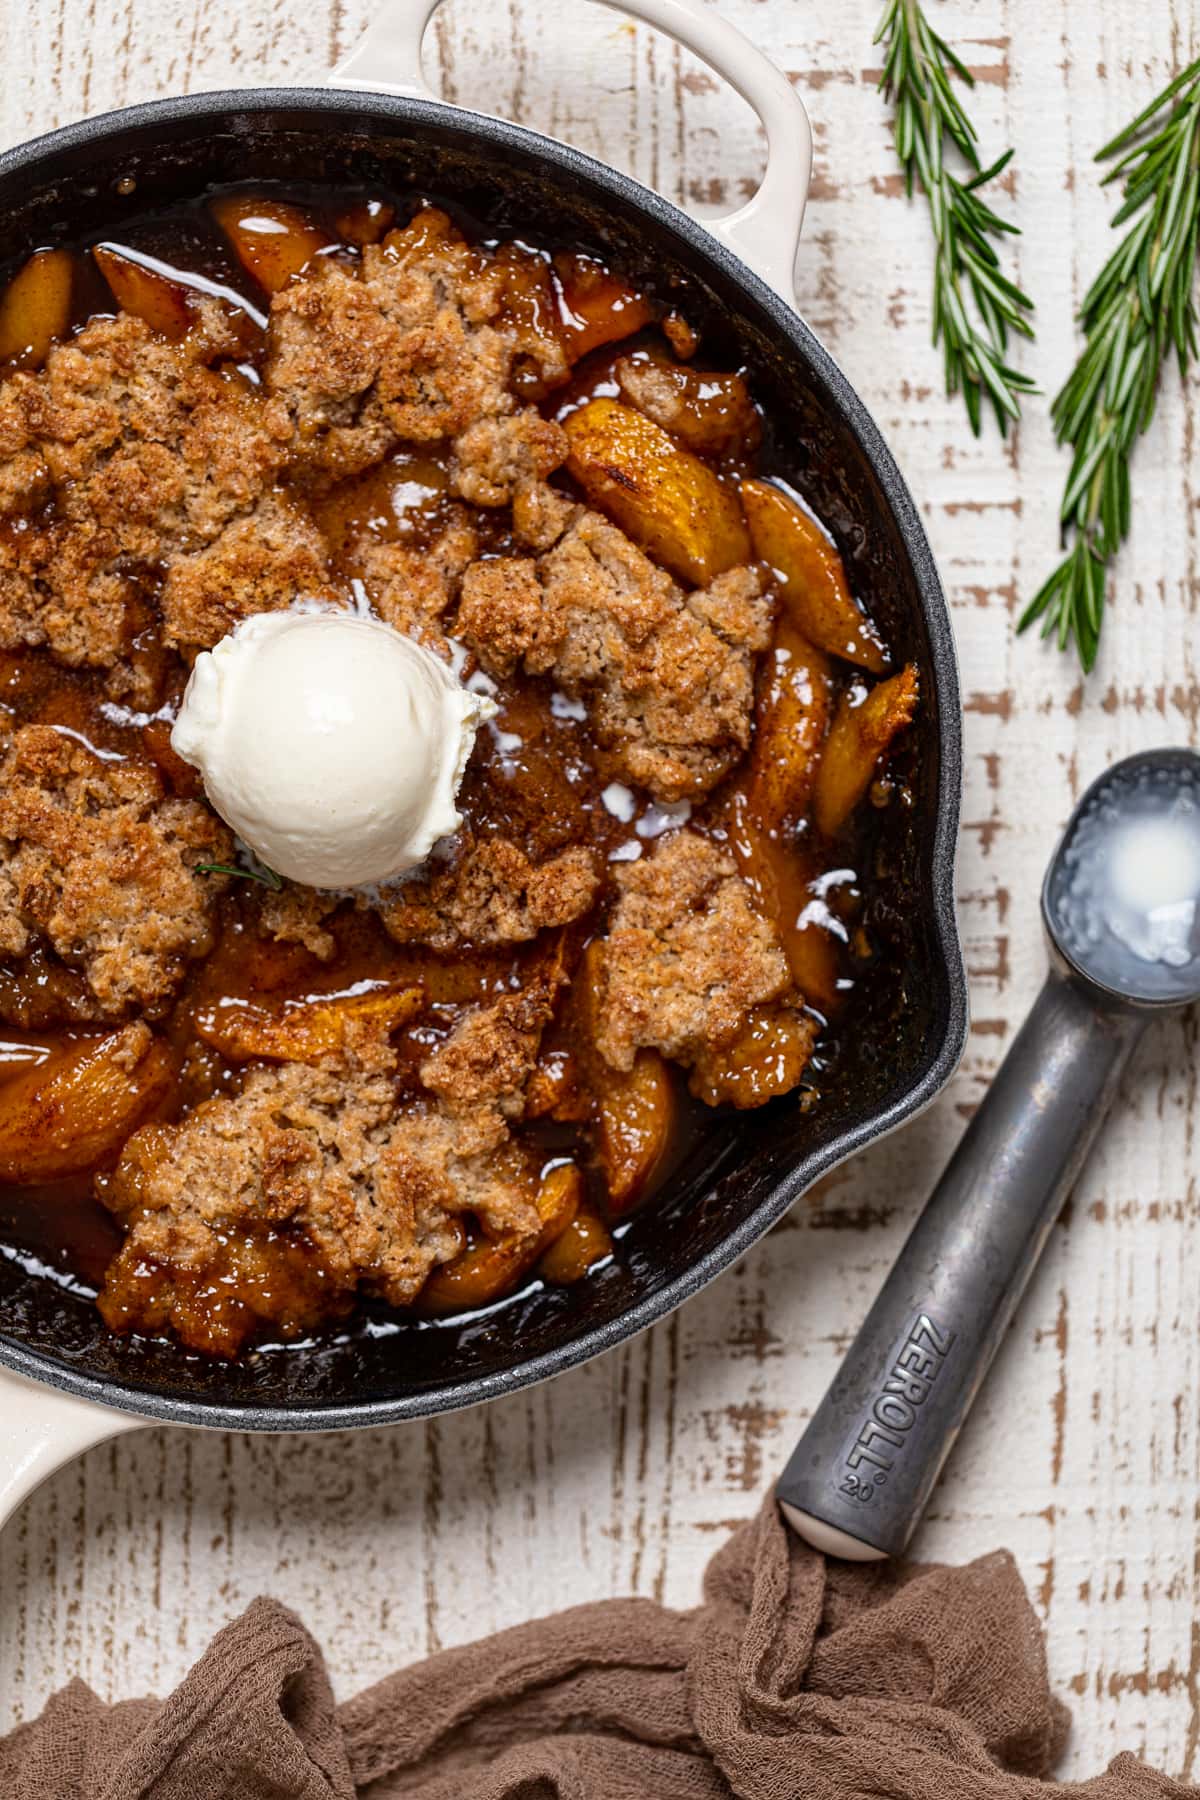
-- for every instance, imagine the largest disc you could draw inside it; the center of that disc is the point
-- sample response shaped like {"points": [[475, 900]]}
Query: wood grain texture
{"points": [[1082, 1452]]}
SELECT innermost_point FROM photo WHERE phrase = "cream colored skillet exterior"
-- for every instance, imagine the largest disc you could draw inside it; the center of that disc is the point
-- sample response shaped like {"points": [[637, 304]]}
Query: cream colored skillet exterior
{"points": [[41, 1428]]}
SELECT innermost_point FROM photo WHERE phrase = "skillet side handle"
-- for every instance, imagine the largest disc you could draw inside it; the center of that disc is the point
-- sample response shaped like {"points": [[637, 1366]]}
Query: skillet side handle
{"points": [[41, 1429], [765, 232]]}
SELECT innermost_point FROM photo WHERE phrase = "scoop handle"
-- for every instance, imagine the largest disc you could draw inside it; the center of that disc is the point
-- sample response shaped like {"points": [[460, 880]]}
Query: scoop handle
{"points": [[859, 1478]]}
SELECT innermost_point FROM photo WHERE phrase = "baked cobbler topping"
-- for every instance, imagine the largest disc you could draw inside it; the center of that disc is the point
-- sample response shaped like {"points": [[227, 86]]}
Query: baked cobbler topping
{"points": [[240, 1103]]}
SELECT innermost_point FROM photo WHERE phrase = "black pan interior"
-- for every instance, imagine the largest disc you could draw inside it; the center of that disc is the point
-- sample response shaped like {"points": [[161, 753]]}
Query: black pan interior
{"points": [[907, 1027]]}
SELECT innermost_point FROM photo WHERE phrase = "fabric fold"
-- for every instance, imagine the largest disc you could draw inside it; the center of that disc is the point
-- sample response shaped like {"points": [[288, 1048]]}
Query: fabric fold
{"points": [[796, 1679]]}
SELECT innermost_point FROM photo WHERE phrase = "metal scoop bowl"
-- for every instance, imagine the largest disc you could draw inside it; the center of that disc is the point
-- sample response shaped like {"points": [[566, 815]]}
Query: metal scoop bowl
{"points": [[1121, 908]]}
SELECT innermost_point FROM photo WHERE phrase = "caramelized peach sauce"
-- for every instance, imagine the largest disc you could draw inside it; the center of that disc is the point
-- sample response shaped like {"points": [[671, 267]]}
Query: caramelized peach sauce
{"points": [[236, 1108]]}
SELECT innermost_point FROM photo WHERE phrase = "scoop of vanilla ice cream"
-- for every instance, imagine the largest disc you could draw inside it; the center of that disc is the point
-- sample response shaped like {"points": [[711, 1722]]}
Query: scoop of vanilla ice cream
{"points": [[331, 744]]}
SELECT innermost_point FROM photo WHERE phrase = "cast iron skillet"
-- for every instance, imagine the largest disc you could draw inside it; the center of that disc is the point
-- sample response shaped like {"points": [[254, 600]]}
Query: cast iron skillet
{"points": [[907, 1031]]}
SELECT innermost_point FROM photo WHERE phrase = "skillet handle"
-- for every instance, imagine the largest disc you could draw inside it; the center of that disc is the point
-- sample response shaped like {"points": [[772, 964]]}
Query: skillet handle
{"points": [[766, 231], [41, 1429]]}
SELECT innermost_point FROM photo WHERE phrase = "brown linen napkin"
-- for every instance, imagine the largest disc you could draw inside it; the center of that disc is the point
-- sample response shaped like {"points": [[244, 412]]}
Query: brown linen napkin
{"points": [[797, 1679]]}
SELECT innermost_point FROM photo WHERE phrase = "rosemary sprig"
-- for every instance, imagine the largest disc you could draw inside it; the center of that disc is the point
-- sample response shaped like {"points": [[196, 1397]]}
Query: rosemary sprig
{"points": [[975, 305], [268, 877], [1139, 307]]}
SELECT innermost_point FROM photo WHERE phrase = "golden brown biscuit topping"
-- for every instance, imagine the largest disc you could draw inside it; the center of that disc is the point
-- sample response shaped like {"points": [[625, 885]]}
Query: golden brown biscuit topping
{"points": [[292, 1101]]}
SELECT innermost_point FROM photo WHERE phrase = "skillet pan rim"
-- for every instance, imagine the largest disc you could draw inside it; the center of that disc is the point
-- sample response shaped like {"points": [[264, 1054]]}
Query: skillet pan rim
{"points": [[143, 121]]}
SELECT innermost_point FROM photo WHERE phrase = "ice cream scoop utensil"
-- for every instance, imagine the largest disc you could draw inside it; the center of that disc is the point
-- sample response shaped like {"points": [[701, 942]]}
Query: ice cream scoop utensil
{"points": [[1121, 908]]}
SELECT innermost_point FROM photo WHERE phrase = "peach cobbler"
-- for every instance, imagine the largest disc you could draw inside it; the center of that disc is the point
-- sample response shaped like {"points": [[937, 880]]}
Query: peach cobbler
{"points": [[236, 1104]]}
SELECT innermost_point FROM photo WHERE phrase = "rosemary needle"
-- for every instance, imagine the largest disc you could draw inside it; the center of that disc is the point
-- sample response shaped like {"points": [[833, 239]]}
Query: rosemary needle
{"points": [[268, 877], [975, 304], [1138, 309]]}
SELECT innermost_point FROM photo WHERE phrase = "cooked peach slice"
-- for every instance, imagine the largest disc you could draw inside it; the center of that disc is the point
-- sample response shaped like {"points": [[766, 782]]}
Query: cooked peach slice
{"points": [[595, 306], [668, 501], [36, 308], [862, 730], [767, 1059], [554, 1087], [490, 1267], [366, 222], [271, 239], [635, 1118], [779, 873], [76, 1109], [793, 717], [774, 796], [560, 1195], [449, 980], [164, 305], [307, 1030], [585, 1242], [812, 579], [712, 414], [633, 1113]]}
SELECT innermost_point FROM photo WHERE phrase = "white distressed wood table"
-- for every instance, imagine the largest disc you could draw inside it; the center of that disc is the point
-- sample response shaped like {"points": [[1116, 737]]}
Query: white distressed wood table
{"points": [[623, 1476]]}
